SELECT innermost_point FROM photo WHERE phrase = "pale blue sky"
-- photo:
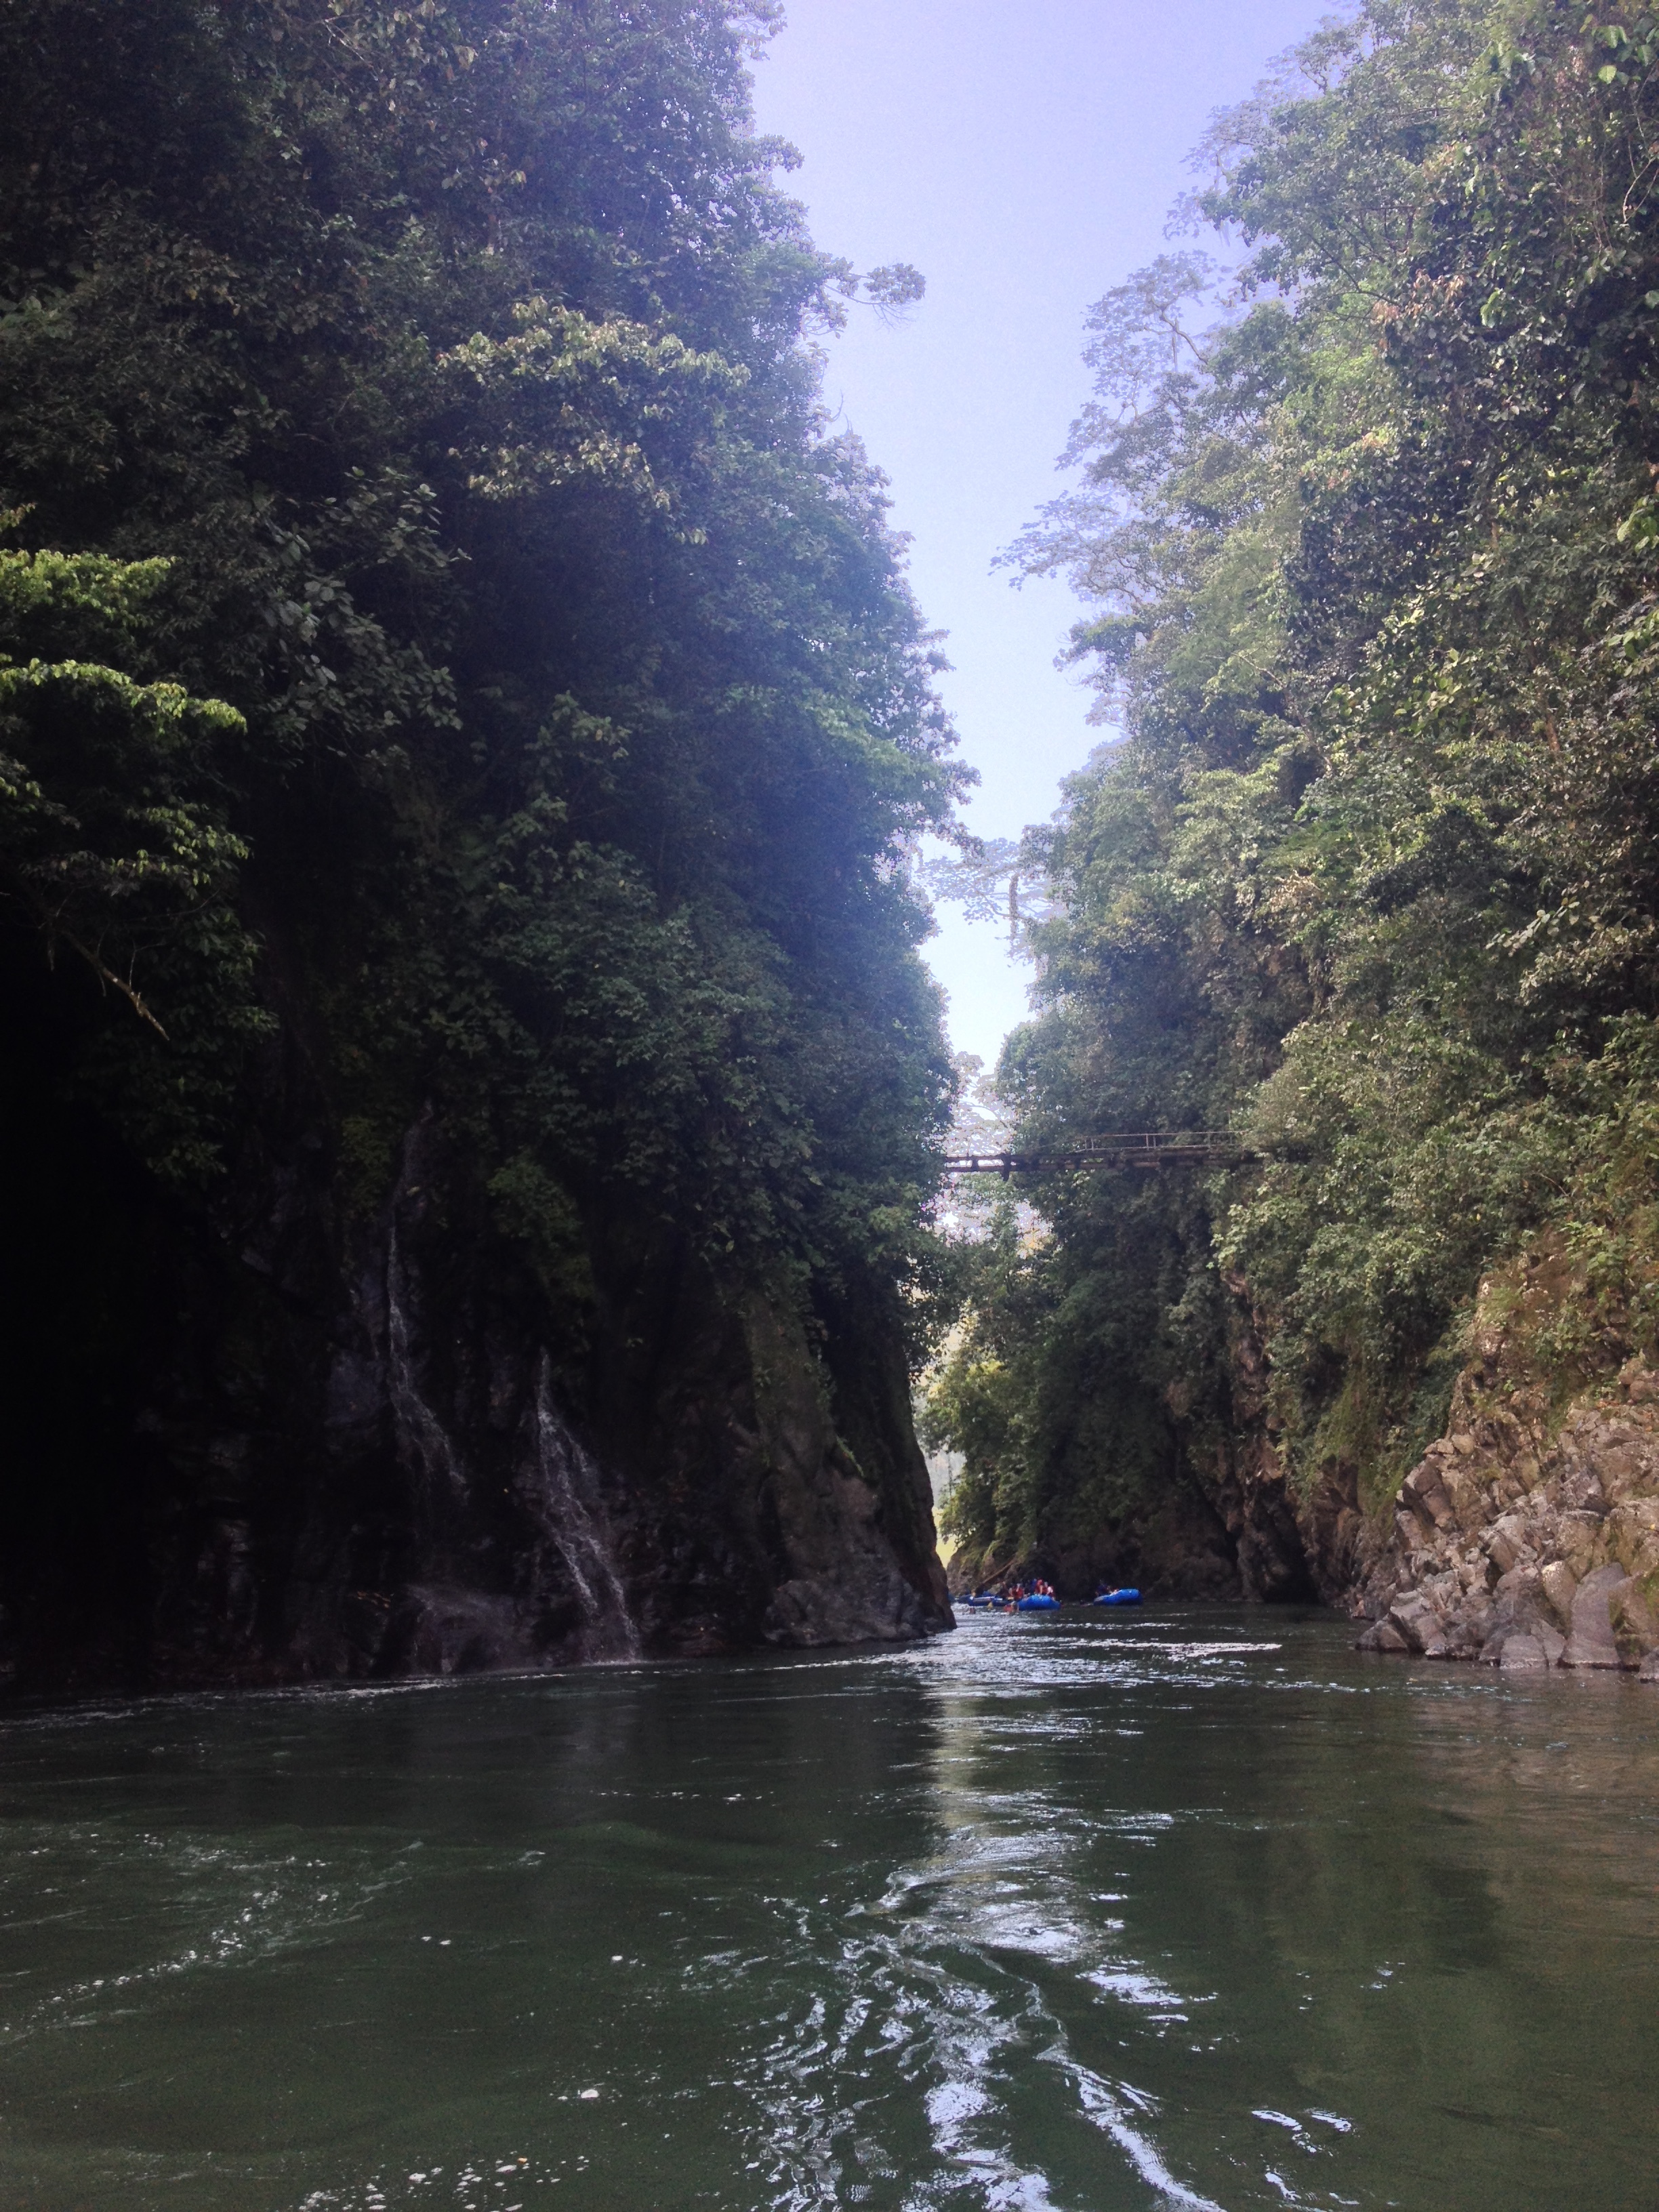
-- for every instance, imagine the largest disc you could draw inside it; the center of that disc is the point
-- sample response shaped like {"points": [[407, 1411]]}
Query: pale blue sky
{"points": [[1024, 154]]}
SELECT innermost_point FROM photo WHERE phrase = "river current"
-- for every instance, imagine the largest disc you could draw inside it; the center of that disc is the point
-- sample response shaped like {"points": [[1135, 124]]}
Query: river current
{"points": [[1077, 1911]]}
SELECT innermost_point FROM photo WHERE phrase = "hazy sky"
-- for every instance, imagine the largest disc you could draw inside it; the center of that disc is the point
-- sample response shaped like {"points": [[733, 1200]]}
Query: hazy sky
{"points": [[1024, 154]]}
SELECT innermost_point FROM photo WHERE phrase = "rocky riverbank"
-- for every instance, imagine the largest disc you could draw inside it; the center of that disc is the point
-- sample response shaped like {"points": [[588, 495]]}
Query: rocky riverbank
{"points": [[357, 1449], [1527, 1535], [1518, 1550]]}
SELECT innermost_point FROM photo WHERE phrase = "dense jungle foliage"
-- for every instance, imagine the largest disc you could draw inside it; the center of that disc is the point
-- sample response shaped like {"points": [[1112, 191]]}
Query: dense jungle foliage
{"points": [[1369, 524], [447, 666]]}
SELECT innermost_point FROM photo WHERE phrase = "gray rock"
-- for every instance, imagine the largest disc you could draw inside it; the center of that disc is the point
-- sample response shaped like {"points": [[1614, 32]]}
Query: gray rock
{"points": [[1508, 1541], [1581, 1540], [1382, 1635], [1423, 1485], [1649, 1671], [1475, 1617], [1560, 1586], [1633, 1628], [1420, 1624], [1526, 1633], [1633, 1615], [1519, 1597], [1522, 1654], [1591, 1643], [1603, 1580]]}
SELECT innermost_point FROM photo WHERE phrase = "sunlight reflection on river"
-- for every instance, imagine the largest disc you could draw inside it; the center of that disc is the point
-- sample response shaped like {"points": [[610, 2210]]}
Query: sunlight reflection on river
{"points": [[1176, 1911]]}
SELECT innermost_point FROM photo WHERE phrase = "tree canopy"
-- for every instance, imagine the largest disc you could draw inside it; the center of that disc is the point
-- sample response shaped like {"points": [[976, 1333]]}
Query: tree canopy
{"points": [[442, 646]]}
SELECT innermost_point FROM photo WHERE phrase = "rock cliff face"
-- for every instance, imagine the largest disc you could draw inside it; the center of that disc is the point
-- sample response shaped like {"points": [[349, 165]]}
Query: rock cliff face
{"points": [[1222, 1525], [1528, 1536], [329, 1448], [1522, 1551], [1275, 1553]]}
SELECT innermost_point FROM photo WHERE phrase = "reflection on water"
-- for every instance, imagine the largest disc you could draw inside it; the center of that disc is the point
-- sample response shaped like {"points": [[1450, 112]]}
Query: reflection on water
{"points": [[1056, 1912]]}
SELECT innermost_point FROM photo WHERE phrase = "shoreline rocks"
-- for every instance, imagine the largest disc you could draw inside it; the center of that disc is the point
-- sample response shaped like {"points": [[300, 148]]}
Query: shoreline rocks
{"points": [[1513, 1546]]}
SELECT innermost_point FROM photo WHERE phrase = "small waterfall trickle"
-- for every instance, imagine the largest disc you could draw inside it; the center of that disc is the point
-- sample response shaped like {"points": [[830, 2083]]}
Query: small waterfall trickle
{"points": [[562, 1485], [420, 1433]]}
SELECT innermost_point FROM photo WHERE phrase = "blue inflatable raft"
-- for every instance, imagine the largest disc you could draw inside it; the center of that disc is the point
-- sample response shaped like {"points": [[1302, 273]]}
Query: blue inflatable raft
{"points": [[1118, 1597], [1038, 1604]]}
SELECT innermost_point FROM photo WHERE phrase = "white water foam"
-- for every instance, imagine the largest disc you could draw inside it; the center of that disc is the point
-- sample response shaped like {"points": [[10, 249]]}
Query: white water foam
{"points": [[561, 1483], [420, 1431]]}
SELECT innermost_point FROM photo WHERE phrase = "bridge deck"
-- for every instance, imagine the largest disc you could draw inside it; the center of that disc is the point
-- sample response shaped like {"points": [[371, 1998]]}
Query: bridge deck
{"points": [[1146, 1148]]}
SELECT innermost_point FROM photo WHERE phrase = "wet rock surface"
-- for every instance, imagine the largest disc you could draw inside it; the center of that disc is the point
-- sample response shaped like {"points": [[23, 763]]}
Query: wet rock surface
{"points": [[353, 1449], [1527, 1536], [1524, 1542]]}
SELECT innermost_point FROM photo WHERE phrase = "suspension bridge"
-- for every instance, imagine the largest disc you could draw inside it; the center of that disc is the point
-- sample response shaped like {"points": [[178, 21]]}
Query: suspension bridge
{"points": [[1121, 1148]]}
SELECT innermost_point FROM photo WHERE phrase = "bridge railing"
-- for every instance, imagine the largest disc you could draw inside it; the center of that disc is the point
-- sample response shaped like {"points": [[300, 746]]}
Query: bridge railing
{"points": [[1110, 1148]]}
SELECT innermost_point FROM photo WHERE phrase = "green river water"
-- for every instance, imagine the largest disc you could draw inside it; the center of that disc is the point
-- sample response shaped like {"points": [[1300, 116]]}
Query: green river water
{"points": [[1075, 1911]]}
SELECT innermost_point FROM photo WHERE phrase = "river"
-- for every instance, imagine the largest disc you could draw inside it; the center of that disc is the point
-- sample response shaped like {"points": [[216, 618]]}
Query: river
{"points": [[1080, 1911]]}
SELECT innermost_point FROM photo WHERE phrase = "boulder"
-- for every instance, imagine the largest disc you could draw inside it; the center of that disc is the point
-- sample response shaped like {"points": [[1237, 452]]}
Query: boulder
{"points": [[1523, 1655], [1420, 1625], [1424, 1488], [1472, 1624], [1506, 1542], [1522, 1609], [1649, 1671], [1581, 1540], [1382, 1635], [1633, 1629], [1560, 1586], [1592, 1642]]}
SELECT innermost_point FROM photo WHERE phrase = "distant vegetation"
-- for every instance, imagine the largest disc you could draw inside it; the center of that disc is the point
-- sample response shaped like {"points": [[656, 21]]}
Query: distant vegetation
{"points": [[1371, 529]]}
